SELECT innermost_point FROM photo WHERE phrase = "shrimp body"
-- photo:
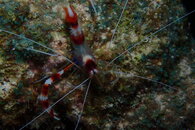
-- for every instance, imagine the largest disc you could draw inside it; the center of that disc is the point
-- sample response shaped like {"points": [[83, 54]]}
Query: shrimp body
{"points": [[81, 51], [82, 55]]}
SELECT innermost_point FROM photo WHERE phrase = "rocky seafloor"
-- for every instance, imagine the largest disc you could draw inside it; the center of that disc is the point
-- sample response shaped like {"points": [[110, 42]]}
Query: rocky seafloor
{"points": [[124, 94]]}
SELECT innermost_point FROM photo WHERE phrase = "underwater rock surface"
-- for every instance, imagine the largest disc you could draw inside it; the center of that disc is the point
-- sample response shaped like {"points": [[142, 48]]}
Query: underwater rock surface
{"points": [[124, 94]]}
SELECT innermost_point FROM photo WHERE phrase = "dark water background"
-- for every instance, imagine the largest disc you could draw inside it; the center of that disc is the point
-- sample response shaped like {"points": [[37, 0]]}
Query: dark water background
{"points": [[189, 6]]}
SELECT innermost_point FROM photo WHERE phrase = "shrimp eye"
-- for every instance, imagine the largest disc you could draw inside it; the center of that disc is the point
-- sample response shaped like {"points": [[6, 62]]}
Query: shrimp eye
{"points": [[90, 67]]}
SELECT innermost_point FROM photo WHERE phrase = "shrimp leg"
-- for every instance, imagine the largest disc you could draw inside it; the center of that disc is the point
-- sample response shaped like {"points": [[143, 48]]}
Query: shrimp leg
{"points": [[43, 97]]}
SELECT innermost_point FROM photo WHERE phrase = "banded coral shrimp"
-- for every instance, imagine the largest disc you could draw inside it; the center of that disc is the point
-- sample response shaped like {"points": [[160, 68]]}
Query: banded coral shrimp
{"points": [[125, 103]]}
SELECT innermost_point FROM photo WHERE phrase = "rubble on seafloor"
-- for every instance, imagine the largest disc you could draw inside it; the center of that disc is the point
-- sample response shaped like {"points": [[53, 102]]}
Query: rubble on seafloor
{"points": [[120, 96]]}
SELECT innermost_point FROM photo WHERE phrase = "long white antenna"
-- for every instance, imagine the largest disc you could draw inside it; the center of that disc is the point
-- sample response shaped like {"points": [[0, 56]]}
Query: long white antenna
{"points": [[119, 20], [79, 117], [93, 5], [23, 37], [54, 104], [147, 37], [154, 81], [42, 52], [123, 74]]}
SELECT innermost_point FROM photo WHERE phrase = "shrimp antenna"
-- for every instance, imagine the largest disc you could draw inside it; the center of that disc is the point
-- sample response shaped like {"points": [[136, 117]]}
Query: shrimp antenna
{"points": [[127, 75], [85, 98], [78, 86], [23, 37], [148, 37], [119, 20], [42, 52], [93, 5], [43, 78]]}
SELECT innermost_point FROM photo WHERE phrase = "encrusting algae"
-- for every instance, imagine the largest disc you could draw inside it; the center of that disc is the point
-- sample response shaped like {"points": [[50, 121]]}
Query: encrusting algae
{"points": [[148, 87]]}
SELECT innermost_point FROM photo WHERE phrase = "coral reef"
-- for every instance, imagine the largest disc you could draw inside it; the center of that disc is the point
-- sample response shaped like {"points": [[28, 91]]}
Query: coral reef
{"points": [[121, 96]]}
